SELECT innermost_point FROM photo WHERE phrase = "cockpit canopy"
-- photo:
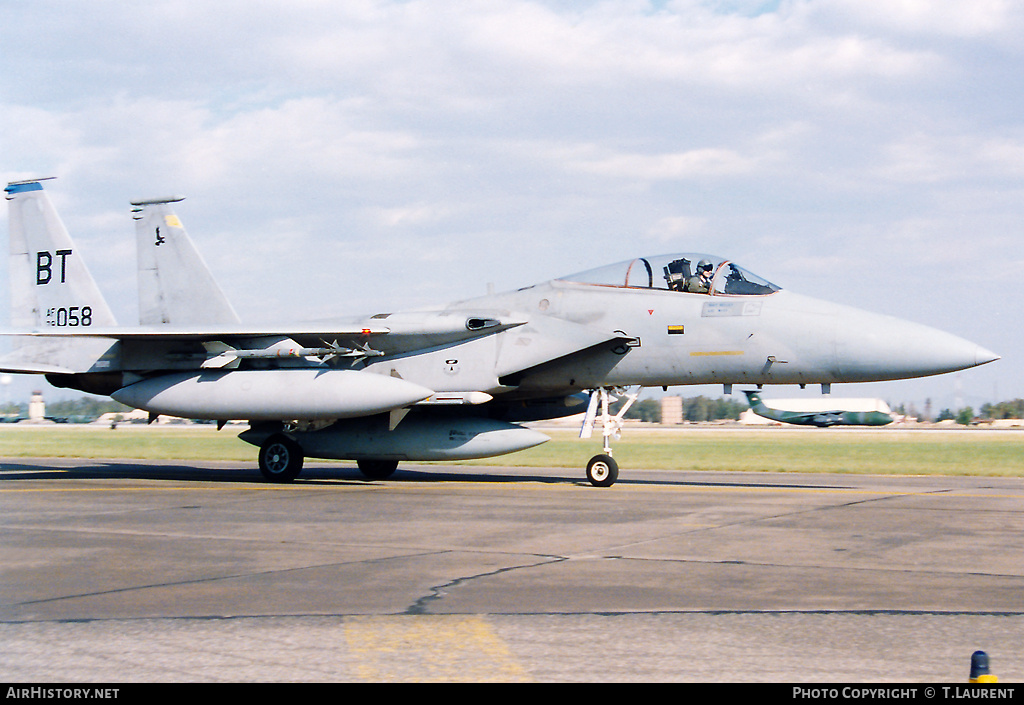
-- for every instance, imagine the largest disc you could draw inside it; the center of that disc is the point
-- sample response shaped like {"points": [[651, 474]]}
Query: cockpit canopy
{"points": [[694, 273]]}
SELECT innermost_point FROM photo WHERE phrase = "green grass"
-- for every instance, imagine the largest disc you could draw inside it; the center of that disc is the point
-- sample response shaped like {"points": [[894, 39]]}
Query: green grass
{"points": [[962, 452], [176, 443], [781, 450]]}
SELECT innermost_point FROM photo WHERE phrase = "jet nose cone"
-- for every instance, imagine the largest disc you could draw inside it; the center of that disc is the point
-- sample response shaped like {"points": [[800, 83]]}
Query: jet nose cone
{"points": [[882, 347], [983, 356]]}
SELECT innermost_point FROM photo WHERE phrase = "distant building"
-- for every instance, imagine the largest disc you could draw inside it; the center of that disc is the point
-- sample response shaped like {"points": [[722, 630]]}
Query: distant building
{"points": [[133, 416], [671, 410], [1007, 423], [37, 407]]}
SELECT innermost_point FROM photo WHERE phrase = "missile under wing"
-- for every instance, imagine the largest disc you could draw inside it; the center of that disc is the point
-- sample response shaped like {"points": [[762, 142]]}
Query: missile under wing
{"points": [[450, 383]]}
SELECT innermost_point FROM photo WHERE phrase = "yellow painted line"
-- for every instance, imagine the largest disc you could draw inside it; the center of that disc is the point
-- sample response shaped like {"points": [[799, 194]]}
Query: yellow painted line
{"points": [[580, 485], [716, 353], [937, 494], [259, 488], [436, 648], [583, 485]]}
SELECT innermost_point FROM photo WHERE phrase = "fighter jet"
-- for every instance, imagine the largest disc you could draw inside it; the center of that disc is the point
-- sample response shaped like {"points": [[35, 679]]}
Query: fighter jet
{"points": [[851, 412], [447, 384]]}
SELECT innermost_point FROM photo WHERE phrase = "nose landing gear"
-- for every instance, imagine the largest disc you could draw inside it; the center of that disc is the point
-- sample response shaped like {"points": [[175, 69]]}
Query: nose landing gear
{"points": [[602, 470]]}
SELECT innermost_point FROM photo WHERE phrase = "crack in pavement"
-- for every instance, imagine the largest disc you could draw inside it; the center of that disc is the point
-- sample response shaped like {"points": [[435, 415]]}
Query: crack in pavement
{"points": [[439, 592]]}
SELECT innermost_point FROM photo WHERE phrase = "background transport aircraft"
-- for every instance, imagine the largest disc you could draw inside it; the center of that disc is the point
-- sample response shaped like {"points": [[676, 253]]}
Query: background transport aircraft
{"points": [[445, 384], [812, 412]]}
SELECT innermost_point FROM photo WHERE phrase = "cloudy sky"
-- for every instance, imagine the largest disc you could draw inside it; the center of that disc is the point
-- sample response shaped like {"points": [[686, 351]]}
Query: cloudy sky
{"points": [[372, 155]]}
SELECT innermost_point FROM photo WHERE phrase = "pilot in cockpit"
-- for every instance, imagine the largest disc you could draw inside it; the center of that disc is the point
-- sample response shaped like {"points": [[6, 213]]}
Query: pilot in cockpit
{"points": [[701, 282]]}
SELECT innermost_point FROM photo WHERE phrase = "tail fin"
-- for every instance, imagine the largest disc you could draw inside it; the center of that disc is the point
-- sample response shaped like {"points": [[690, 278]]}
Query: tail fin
{"points": [[758, 406], [175, 285], [753, 399], [50, 284], [51, 289]]}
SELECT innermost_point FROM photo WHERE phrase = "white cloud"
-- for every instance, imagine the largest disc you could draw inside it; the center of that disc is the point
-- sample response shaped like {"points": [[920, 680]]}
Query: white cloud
{"points": [[413, 214], [933, 158], [980, 18], [673, 230], [655, 167]]}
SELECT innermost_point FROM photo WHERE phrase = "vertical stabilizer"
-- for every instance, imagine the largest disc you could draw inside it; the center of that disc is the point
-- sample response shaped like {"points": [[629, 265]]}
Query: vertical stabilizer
{"points": [[759, 408], [51, 291], [50, 284], [175, 285]]}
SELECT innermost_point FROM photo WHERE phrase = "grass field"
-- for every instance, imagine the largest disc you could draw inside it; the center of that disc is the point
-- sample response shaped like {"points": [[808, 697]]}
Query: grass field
{"points": [[914, 452]]}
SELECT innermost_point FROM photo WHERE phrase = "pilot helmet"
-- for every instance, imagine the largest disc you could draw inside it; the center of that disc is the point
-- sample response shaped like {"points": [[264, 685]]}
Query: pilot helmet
{"points": [[704, 265]]}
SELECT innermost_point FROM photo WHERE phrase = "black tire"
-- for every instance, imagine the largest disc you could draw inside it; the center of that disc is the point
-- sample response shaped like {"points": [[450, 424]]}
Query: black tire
{"points": [[280, 459], [377, 469], [602, 471]]}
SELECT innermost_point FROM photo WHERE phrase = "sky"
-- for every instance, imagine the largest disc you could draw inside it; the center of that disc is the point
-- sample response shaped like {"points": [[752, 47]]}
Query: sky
{"points": [[375, 155]]}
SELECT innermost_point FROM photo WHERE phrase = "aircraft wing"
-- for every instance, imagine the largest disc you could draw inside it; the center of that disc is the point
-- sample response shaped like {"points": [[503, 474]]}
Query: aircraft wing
{"points": [[32, 368], [402, 333], [197, 333], [818, 418]]}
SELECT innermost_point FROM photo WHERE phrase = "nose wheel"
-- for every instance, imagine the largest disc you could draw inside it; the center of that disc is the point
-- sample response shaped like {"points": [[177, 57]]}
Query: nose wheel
{"points": [[602, 470]]}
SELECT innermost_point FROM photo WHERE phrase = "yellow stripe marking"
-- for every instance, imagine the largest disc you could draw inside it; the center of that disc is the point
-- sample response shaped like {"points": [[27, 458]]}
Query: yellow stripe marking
{"points": [[716, 353], [437, 648], [526, 485], [176, 488]]}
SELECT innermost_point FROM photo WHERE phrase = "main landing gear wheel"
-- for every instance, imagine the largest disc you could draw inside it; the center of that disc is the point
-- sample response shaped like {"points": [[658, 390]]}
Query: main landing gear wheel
{"points": [[280, 459], [602, 471], [377, 469]]}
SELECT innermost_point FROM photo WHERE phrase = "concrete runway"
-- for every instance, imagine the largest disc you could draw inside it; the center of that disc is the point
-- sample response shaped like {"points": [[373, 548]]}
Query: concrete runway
{"points": [[122, 571]]}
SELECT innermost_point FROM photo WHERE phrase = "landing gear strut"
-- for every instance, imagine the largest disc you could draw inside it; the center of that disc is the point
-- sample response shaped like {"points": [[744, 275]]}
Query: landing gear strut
{"points": [[602, 470]]}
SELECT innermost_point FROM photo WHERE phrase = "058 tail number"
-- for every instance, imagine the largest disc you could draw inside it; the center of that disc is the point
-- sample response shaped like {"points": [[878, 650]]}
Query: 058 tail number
{"points": [[71, 317]]}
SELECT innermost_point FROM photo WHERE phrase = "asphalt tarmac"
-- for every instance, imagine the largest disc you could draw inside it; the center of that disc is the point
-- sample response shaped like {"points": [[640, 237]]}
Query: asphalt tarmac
{"points": [[127, 571]]}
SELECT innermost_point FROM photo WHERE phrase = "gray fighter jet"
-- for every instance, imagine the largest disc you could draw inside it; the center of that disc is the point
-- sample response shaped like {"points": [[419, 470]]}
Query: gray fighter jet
{"points": [[449, 384]]}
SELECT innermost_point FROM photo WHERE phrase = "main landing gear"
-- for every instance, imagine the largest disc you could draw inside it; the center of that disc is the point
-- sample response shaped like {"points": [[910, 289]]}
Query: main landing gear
{"points": [[377, 469], [280, 459], [602, 470]]}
